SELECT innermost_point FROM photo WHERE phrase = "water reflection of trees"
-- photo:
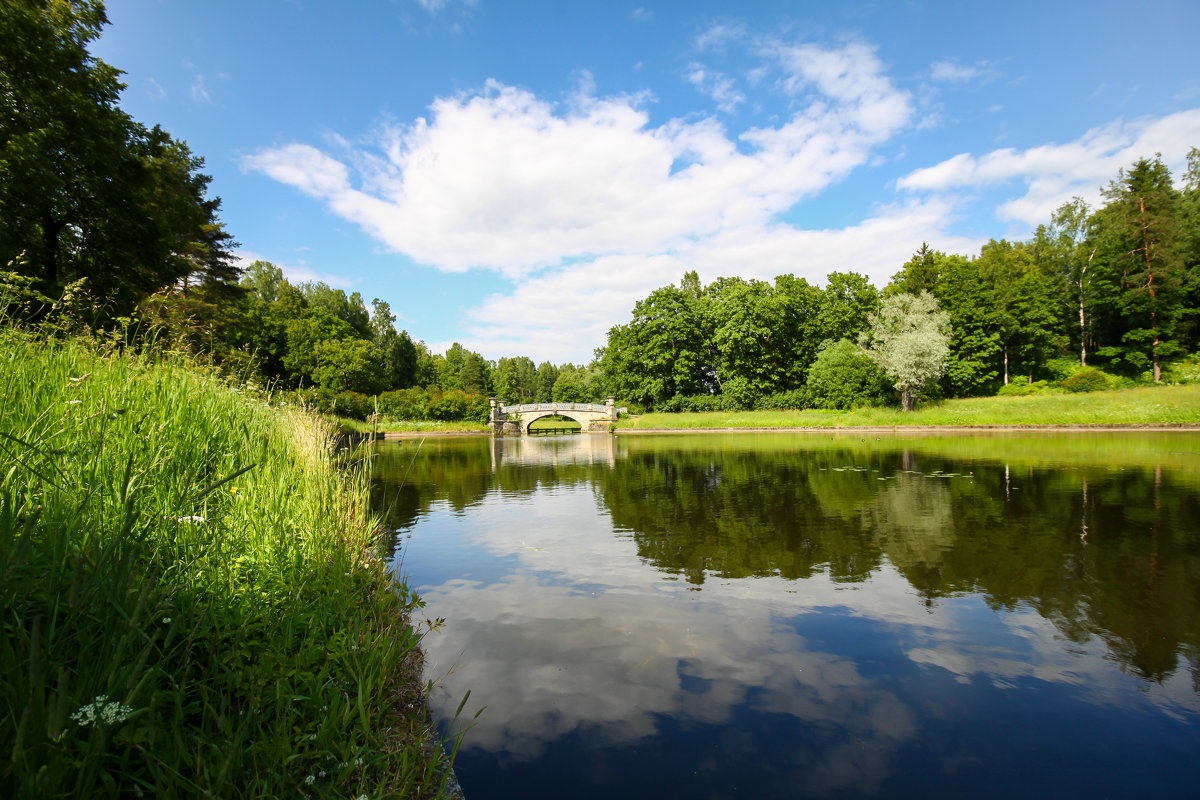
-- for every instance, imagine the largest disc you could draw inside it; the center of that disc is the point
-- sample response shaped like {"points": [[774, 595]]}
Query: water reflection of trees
{"points": [[1099, 552]]}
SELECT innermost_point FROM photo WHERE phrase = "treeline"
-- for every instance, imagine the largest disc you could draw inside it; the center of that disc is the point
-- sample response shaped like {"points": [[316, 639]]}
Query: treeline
{"points": [[1110, 292], [107, 224], [347, 359]]}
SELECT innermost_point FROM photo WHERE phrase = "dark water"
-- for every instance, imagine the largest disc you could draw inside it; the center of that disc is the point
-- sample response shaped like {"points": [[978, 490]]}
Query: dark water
{"points": [[777, 615]]}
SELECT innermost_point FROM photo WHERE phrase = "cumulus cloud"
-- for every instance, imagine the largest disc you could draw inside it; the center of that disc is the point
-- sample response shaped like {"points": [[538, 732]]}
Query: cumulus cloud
{"points": [[504, 180], [1054, 173], [594, 199]]}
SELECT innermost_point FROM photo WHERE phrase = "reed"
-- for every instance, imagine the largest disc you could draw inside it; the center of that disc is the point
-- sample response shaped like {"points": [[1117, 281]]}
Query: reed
{"points": [[193, 595]]}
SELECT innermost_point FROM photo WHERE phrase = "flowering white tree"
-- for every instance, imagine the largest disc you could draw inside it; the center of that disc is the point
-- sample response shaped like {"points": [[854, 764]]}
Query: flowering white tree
{"points": [[910, 340]]}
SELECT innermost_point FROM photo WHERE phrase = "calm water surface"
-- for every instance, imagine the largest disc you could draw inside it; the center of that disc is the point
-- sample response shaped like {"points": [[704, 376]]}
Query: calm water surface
{"points": [[779, 615]]}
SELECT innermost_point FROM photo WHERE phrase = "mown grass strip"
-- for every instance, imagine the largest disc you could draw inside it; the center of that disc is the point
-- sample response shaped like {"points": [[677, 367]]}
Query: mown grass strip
{"points": [[1140, 406]]}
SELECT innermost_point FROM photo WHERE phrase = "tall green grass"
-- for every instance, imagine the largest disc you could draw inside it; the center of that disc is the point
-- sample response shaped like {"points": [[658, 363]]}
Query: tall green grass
{"points": [[1147, 405], [193, 601]]}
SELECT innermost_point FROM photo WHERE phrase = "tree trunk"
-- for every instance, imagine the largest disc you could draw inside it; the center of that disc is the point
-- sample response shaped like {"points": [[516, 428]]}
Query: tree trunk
{"points": [[908, 398], [1006, 365], [1082, 318]]}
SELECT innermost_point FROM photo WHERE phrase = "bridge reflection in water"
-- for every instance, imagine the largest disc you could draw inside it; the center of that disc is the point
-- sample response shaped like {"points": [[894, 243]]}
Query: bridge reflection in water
{"points": [[564, 451]]}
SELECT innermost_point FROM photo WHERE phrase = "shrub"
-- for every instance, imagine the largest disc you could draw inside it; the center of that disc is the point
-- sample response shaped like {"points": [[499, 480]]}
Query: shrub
{"points": [[695, 402], [1022, 389], [1182, 370], [795, 400], [843, 376], [1088, 380]]}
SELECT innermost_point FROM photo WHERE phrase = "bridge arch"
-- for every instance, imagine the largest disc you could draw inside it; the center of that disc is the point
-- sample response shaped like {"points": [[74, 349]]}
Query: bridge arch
{"points": [[528, 419]]}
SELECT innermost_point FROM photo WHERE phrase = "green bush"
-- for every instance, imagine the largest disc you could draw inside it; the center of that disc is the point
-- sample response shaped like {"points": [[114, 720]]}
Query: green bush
{"points": [[1182, 370], [1022, 389], [696, 403], [1088, 380], [1059, 369], [795, 400], [843, 376]]}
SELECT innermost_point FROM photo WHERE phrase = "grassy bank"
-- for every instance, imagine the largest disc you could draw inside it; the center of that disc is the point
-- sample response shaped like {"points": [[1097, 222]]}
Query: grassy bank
{"points": [[193, 602], [1146, 405]]}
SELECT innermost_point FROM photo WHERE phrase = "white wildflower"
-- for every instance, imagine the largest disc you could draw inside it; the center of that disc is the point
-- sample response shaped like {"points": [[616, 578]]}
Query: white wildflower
{"points": [[191, 518], [166, 620], [103, 711], [74, 402], [309, 780]]}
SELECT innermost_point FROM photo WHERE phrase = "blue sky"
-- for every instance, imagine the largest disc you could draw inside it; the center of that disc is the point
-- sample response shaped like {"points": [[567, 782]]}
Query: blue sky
{"points": [[515, 175]]}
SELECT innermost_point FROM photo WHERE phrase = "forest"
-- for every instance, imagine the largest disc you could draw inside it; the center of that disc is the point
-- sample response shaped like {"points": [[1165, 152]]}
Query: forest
{"points": [[108, 225]]}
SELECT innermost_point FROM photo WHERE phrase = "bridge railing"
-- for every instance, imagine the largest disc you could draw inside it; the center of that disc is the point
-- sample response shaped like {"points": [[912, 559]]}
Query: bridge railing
{"points": [[599, 408]]}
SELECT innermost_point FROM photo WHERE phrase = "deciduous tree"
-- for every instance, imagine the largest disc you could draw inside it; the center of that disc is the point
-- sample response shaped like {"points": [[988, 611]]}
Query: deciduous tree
{"points": [[909, 339]]}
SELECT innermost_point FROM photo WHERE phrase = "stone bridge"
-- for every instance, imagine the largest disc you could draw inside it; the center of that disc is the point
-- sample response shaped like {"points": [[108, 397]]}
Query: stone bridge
{"points": [[592, 417]]}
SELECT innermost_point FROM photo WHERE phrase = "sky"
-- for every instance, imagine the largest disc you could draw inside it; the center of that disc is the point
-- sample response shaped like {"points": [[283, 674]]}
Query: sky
{"points": [[515, 175]]}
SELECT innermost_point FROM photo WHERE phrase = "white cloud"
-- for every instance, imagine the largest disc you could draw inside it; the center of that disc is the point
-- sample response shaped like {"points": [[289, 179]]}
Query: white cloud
{"points": [[295, 273], [601, 205], [953, 72], [199, 90], [1054, 173], [719, 87], [718, 36]]}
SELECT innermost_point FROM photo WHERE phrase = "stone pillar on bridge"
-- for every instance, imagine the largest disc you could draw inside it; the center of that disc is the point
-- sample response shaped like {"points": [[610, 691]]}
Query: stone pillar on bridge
{"points": [[610, 405]]}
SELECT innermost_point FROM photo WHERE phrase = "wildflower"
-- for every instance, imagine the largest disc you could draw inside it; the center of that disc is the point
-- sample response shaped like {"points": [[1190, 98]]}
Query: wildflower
{"points": [[312, 737], [362, 797], [309, 780], [191, 518], [233, 489], [103, 711], [166, 620], [74, 402]]}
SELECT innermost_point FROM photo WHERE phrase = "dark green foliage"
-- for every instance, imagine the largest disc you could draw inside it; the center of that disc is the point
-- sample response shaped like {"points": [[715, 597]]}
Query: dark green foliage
{"points": [[1088, 380], [698, 402], [794, 400], [843, 376], [85, 191]]}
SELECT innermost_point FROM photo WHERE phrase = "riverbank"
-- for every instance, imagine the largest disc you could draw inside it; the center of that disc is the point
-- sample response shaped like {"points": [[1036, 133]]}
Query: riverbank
{"points": [[194, 597]]}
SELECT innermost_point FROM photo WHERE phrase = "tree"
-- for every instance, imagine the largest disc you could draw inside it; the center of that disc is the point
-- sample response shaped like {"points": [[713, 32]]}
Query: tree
{"points": [[746, 325], [1142, 250], [1074, 250], [305, 335], [547, 374], [348, 365], [666, 349], [348, 309], [85, 191], [847, 303], [397, 353], [910, 341], [476, 374]]}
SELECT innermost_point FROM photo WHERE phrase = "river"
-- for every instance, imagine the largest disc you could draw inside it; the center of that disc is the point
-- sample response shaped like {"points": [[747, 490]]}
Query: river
{"points": [[808, 615]]}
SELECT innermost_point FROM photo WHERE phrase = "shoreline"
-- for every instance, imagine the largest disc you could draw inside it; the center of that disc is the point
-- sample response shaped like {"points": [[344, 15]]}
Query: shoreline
{"points": [[1181, 427]]}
